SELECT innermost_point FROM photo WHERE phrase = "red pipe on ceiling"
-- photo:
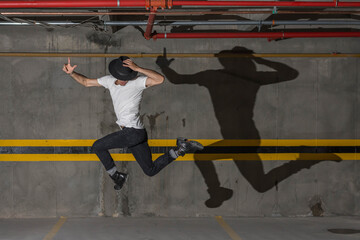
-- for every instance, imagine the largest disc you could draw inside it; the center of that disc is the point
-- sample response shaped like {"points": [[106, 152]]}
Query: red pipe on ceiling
{"points": [[269, 35], [71, 3], [142, 3]]}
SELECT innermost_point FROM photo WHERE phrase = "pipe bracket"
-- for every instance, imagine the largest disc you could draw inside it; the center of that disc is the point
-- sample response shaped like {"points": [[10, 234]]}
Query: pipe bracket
{"points": [[260, 25], [275, 10]]}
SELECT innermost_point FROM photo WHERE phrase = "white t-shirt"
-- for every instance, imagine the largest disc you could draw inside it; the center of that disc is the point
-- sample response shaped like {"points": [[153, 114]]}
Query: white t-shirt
{"points": [[126, 99]]}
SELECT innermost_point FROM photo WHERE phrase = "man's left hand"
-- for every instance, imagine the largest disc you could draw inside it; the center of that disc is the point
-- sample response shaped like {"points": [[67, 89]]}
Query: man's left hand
{"points": [[130, 64]]}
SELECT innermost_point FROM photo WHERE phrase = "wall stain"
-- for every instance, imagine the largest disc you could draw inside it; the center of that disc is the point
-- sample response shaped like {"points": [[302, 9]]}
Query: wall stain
{"points": [[167, 126], [184, 122], [104, 39], [108, 122], [106, 128], [152, 121], [101, 193], [142, 117], [125, 205], [316, 206]]}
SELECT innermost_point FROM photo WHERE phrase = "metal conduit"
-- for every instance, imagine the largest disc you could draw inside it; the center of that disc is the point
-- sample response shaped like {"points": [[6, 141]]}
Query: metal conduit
{"points": [[173, 13], [142, 3], [269, 35], [252, 22], [177, 23]]}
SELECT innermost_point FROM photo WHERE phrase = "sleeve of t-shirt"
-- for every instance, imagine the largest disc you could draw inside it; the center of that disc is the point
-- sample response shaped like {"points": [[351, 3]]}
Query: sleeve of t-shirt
{"points": [[104, 81], [140, 82]]}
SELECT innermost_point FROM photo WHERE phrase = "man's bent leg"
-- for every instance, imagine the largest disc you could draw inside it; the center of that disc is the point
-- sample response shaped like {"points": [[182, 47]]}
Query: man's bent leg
{"points": [[142, 154], [124, 138], [101, 147]]}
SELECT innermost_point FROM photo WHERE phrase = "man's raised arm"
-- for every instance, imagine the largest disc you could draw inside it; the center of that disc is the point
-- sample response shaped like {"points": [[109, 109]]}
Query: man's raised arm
{"points": [[83, 80], [154, 78]]}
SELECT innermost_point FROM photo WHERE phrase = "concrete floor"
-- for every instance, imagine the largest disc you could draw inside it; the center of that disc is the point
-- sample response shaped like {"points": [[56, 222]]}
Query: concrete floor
{"points": [[323, 228]]}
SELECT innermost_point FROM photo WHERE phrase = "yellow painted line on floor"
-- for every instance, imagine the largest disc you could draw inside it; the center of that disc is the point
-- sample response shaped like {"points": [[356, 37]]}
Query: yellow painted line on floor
{"points": [[187, 157], [232, 234], [172, 142], [55, 229]]}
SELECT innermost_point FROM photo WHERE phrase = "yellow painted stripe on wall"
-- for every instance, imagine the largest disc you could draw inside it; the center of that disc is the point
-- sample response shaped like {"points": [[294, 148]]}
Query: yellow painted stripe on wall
{"points": [[179, 55], [46, 143], [70, 142], [172, 142], [187, 157]]}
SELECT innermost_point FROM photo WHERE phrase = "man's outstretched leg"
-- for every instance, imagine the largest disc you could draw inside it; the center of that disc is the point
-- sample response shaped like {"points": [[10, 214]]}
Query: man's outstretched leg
{"points": [[142, 154], [186, 146]]}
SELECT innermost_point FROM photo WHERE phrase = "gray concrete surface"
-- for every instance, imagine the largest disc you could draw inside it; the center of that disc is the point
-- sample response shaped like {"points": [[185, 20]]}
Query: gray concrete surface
{"points": [[330, 228], [38, 101]]}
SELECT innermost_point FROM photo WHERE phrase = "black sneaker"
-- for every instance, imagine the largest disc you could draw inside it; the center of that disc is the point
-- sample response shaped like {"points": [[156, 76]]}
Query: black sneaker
{"points": [[186, 146], [119, 179]]}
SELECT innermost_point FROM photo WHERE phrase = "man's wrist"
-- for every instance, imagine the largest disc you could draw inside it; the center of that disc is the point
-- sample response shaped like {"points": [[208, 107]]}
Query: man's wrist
{"points": [[72, 73]]}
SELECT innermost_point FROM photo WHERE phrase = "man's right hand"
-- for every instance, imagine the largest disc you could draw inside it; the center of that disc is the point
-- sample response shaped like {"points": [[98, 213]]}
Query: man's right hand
{"points": [[68, 68]]}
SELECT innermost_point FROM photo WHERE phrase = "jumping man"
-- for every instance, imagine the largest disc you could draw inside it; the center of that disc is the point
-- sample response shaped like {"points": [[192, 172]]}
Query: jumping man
{"points": [[126, 88]]}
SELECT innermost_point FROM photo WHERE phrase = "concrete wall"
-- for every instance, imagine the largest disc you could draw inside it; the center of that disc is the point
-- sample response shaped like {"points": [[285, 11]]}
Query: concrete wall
{"points": [[203, 98]]}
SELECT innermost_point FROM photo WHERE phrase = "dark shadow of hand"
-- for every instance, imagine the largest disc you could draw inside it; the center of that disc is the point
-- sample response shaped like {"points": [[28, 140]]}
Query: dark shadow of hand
{"points": [[163, 61]]}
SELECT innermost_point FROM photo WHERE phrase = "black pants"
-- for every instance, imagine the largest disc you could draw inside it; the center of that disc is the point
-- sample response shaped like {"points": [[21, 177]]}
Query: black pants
{"points": [[136, 141]]}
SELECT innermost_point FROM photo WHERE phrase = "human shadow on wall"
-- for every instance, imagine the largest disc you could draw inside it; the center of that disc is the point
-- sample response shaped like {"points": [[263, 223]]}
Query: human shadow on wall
{"points": [[233, 92]]}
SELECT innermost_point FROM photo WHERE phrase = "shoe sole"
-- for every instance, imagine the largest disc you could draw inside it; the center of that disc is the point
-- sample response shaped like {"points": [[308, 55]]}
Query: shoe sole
{"points": [[196, 145]]}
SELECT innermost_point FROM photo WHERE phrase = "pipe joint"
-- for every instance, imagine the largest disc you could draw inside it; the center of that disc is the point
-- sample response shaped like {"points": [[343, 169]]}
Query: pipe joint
{"points": [[155, 4]]}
